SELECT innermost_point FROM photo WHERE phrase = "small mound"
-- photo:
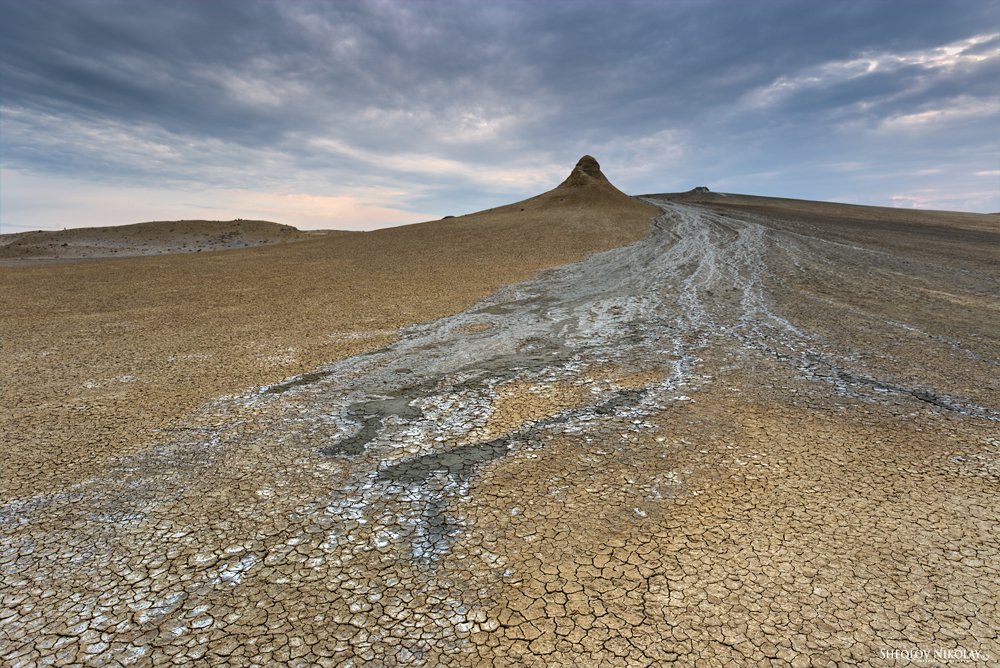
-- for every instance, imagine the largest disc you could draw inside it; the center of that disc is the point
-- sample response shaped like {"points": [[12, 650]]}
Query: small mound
{"points": [[697, 195]]}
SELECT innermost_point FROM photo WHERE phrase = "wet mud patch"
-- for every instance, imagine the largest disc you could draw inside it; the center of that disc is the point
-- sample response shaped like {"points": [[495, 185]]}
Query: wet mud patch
{"points": [[459, 464], [370, 415], [298, 381]]}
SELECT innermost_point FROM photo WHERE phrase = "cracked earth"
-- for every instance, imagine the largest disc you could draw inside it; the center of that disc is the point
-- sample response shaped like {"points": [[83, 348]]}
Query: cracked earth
{"points": [[731, 443]]}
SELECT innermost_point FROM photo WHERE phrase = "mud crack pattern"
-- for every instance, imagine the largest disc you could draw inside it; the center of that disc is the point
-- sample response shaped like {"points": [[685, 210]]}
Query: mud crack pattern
{"points": [[655, 455]]}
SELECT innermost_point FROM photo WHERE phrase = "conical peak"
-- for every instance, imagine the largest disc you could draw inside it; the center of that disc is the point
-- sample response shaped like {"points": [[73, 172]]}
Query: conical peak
{"points": [[587, 173], [589, 166]]}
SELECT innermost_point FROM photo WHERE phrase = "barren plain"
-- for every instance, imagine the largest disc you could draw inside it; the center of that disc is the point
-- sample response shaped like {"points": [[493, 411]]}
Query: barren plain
{"points": [[580, 430]]}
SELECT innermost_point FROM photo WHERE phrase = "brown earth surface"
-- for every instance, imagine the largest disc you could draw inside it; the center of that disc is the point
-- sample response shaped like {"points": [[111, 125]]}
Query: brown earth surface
{"points": [[765, 432]]}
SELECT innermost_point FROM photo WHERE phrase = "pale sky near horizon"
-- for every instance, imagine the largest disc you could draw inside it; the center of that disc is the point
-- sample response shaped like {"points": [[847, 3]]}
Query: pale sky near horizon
{"points": [[357, 115]]}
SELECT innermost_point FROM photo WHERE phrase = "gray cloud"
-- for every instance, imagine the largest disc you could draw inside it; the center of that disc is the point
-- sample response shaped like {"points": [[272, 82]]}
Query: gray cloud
{"points": [[440, 107]]}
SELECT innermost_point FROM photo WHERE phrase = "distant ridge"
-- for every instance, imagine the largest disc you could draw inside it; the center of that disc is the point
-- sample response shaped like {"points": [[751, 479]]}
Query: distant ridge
{"points": [[153, 238]]}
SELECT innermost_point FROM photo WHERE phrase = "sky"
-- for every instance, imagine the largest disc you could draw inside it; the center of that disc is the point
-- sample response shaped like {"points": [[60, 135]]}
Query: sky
{"points": [[359, 115]]}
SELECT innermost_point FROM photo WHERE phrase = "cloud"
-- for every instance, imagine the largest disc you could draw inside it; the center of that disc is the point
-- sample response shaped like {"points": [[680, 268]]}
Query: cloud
{"points": [[430, 166], [445, 107], [886, 85], [943, 200], [946, 57], [83, 203], [957, 110]]}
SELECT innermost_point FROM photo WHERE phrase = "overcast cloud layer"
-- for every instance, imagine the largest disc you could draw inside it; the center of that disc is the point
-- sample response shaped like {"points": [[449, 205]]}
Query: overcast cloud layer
{"points": [[362, 115]]}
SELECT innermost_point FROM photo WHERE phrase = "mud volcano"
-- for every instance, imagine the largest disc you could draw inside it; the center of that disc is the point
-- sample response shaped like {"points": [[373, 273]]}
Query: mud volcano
{"points": [[740, 440]]}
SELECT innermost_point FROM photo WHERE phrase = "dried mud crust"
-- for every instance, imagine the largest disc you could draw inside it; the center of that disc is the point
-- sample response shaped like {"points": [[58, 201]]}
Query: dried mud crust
{"points": [[642, 459]]}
